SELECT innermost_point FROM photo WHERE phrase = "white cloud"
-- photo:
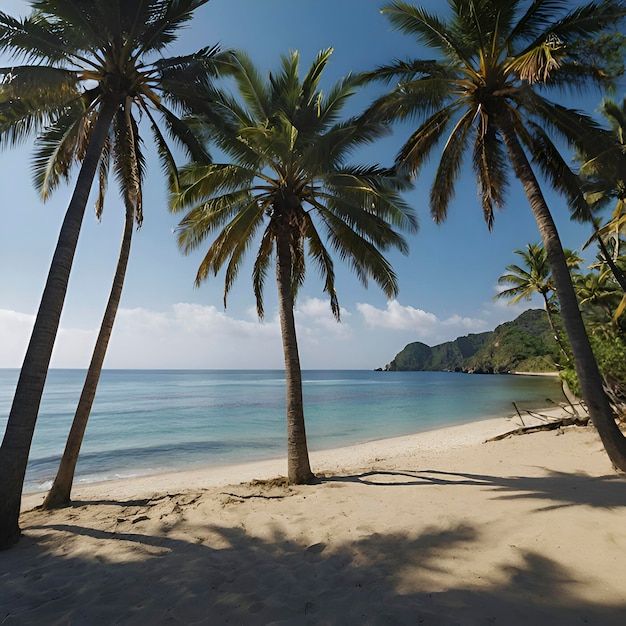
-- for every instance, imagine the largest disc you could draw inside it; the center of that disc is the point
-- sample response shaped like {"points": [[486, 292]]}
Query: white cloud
{"points": [[15, 329], [426, 326], [397, 317], [470, 324], [314, 315], [187, 335], [192, 336]]}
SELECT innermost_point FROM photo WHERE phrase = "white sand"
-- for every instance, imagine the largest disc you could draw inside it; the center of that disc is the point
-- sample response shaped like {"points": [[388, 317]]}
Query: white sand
{"points": [[436, 528]]}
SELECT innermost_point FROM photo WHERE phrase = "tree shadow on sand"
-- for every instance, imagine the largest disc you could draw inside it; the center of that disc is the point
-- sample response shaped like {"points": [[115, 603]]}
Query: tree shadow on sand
{"points": [[561, 489], [229, 576]]}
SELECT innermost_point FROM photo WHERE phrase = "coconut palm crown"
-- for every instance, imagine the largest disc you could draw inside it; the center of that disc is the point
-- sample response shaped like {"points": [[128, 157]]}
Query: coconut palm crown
{"points": [[534, 276], [85, 72], [483, 99], [288, 190], [497, 59]]}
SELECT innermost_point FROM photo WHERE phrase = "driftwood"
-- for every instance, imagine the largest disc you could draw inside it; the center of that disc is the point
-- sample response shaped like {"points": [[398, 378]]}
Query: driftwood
{"points": [[551, 425]]}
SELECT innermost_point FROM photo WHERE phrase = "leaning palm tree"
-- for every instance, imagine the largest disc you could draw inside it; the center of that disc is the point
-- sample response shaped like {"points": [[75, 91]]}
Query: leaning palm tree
{"points": [[535, 277], [289, 191], [124, 151], [484, 93], [87, 66]]}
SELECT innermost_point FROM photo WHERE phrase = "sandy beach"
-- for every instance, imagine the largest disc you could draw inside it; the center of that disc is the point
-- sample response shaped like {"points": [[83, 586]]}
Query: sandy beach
{"points": [[435, 528]]}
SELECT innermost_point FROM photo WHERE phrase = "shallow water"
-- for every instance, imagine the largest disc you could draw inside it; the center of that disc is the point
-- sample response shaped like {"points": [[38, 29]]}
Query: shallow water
{"points": [[146, 421]]}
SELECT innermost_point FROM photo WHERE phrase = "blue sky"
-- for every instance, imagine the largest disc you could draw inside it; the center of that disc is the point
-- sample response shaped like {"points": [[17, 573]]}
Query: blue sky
{"points": [[447, 282]]}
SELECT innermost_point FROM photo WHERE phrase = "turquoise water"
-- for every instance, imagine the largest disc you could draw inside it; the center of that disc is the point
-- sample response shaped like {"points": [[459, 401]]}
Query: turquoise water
{"points": [[146, 421]]}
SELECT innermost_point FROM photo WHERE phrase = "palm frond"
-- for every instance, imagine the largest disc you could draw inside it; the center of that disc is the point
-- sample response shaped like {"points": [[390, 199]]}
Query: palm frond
{"points": [[230, 242], [556, 169], [129, 162], [57, 149], [428, 28], [103, 177], [449, 168], [164, 22], [490, 166], [538, 63], [199, 182], [415, 99], [310, 82], [34, 39], [591, 19], [531, 26], [577, 128], [419, 145], [260, 269], [363, 257], [324, 262]]}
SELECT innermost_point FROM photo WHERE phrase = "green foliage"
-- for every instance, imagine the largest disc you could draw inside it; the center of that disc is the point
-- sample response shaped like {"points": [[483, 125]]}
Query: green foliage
{"points": [[610, 353], [491, 67], [525, 344], [415, 357], [286, 184], [527, 340]]}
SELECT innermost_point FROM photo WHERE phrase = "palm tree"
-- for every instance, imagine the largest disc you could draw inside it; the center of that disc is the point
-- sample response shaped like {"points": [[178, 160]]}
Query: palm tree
{"points": [[484, 93], [287, 189], [598, 295], [60, 492], [88, 68], [603, 171], [533, 277]]}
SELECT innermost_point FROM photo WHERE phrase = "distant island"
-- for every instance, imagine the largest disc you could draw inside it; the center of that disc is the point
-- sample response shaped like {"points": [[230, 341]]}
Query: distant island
{"points": [[524, 345]]}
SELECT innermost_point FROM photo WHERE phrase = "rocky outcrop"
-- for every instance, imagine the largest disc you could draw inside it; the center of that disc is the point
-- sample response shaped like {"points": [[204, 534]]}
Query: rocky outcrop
{"points": [[525, 344]]}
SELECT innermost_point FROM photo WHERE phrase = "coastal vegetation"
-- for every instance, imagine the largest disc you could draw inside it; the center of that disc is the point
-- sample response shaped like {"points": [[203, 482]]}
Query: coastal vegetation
{"points": [[90, 75], [534, 342], [525, 344], [289, 182], [482, 99], [535, 277]]}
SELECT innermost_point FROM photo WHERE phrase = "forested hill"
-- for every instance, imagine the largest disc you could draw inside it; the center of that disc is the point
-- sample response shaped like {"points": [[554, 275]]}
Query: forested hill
{"points": [[524, 345]]}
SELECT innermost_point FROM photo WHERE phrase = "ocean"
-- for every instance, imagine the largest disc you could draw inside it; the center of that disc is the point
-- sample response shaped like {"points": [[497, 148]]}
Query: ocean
{"points": [[151, 421]]}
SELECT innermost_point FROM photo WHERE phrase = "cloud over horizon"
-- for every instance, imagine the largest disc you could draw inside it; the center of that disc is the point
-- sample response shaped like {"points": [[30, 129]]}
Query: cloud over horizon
{"points": [[194, 336], [427, 326]]}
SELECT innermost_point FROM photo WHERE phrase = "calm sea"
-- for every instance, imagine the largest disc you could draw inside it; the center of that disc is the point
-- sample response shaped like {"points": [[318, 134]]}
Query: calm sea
{"points": [[147, 421]]}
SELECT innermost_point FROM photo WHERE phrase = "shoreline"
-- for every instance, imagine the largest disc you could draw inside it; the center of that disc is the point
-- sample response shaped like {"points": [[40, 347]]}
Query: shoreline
{"points": [[435, 528], [336, 460]]}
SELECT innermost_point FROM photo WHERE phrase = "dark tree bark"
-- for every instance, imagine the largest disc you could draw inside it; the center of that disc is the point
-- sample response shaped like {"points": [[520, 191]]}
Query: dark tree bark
{"points": [[60, 492], [298, 466], [589, 376], [20, 428]]}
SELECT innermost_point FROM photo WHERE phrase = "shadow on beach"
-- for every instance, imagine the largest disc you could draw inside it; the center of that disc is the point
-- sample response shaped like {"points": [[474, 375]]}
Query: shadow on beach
{"points": [[561, 489], [137, 564]]}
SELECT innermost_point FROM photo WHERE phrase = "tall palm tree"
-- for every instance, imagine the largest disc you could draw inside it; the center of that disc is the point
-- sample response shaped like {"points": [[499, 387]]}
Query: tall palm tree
{"points": [[603, 171], [128, 163], [485, 94], [288, 189], [89, 66], [535, 277]]}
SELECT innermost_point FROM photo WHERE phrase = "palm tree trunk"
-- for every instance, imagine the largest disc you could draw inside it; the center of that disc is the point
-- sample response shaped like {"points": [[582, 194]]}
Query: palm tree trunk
{"points": [[25, 408], [298, 467], [555, 332], [59, 494], [589, 376]]}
